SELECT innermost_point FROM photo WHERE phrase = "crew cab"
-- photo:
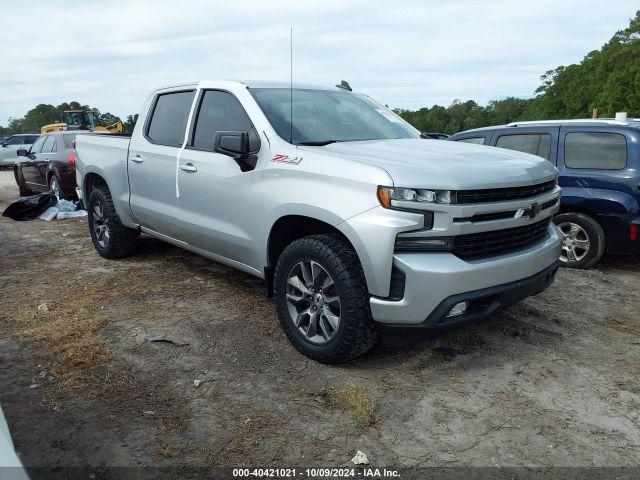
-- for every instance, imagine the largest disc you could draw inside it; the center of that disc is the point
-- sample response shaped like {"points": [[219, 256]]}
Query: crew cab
{"points": [[599, 164], [361, 229]]}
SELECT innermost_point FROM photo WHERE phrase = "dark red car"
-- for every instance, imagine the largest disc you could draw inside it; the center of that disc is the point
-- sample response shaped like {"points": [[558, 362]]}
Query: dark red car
{"points": [[48, 166]]}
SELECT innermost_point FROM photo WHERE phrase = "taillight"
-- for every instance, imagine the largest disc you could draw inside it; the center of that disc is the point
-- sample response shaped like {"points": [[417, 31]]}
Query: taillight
{"points": [[633, 232], [72, 159]]}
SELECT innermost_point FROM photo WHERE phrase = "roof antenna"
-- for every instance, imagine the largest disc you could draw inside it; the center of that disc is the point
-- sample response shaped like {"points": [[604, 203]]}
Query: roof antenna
{"points": [[291, 85]]}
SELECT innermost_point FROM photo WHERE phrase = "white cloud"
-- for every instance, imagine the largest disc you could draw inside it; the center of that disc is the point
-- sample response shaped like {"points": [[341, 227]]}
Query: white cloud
{"points": [[405, 53]]}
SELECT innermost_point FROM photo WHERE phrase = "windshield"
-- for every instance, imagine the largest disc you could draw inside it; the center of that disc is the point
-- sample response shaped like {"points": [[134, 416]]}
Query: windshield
{"points": [[326, 116]]}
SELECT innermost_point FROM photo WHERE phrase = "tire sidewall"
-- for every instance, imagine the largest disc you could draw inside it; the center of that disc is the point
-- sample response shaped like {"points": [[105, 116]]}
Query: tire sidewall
{"points": [[98, 196], [308, 248], [594, 233]]}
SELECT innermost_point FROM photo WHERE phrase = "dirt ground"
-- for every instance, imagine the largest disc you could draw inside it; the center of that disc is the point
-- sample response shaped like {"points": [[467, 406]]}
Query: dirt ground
{"points": [[552, 382]]}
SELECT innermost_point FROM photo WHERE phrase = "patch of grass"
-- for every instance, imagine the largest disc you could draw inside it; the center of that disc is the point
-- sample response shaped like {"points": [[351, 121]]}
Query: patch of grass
{"points": [[355, 400], [70, 332], [165, 450]]}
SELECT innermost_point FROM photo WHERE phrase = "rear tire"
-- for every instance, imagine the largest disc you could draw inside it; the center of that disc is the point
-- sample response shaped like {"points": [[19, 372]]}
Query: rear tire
{"points": [[584, 241], [319, 281], [54, 187], [110, 237], [22, 186]]}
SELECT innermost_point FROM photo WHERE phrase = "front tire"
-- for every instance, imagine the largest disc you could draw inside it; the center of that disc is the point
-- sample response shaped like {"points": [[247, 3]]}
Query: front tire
{"points": [[110, 237], [322, 299], [583, 244]]}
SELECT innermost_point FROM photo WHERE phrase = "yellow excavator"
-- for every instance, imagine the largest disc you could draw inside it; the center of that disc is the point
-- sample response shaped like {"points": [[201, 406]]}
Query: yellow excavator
{"points": [[81, 120]]}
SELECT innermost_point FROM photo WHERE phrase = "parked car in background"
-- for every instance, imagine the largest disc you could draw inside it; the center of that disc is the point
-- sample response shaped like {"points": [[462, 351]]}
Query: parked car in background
{"points": [[434, 135], [48, 165], [9, 147], [361, 229], [599, 164]]}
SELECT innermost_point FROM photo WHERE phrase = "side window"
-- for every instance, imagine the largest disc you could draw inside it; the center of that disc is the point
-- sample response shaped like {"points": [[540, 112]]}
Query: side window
{"points": [[169, 118], [37, 146], [30, 139], [544, 149], [49, 144], [535, 144], [221, 111], [604, 151], [14, 141], [476, 140]]}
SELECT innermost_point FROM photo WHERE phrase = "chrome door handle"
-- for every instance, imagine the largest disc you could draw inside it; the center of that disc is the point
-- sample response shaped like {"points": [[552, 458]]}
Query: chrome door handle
{"points": [[188, 167], [137, 159]]}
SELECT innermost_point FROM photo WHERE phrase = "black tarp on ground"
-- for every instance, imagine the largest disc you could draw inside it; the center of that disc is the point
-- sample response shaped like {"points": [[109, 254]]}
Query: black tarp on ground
{"points": [[31, 207]]}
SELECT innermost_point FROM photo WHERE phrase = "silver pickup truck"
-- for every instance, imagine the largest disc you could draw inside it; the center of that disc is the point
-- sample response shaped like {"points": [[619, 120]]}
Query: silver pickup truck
{"points": [[362, 230]]}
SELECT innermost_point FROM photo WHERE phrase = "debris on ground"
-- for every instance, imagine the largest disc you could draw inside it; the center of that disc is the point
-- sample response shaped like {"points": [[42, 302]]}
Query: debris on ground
{"points": [[166, 338], [149, 413], [360, 458], [43, 307], [62, 210]]}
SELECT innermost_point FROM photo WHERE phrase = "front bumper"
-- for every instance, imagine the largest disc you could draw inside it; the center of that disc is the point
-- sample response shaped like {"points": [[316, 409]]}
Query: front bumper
{"points": [[433, 280]]}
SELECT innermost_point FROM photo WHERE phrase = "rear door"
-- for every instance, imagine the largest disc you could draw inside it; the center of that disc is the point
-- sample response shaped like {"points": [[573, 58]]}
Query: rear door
{"points": [[540, 141], [41, 164], [152, 162]]}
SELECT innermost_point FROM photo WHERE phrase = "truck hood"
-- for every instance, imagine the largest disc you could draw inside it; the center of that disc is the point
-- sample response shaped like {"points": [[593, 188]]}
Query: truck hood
{"points": [[442, 164]]}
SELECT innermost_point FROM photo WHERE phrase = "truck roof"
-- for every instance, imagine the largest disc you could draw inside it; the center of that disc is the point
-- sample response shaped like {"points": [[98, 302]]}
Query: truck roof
{"points": [[251, 84]]}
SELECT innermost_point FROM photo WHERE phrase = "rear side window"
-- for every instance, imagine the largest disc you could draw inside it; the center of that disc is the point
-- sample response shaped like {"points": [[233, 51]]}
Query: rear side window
{"points": [[169, 118], [535, 144], [476, 140], [221, 111], [602, 151]]}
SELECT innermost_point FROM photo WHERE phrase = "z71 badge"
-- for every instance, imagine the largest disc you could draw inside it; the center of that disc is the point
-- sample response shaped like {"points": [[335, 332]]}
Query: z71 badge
{"points": [[286, 159]]}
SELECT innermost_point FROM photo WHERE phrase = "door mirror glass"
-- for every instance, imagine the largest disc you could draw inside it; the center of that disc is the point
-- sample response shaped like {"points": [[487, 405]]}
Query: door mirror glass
{"points": [[22, 153]]}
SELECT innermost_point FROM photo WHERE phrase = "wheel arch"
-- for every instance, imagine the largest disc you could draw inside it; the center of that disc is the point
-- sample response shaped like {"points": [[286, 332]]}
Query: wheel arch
{"points": [[289, 228]]}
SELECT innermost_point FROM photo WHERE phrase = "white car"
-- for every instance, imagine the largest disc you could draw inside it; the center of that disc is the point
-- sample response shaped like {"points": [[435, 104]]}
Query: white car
{"points": [[9, 147]]}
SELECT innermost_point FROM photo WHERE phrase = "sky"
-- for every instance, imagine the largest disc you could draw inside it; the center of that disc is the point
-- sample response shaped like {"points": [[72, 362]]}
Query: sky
{"points": [[407, 54]]}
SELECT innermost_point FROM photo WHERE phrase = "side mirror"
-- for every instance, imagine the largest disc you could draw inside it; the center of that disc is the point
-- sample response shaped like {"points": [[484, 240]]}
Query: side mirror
{"points": [[22, 153], [236, 145]]}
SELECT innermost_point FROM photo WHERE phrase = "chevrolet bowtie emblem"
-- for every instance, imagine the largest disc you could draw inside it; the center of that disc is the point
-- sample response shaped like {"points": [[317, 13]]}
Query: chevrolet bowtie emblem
{"points": [[531, 212]]}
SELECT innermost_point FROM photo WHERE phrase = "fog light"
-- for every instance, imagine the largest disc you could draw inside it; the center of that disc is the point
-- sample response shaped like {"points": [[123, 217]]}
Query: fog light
{"points": [[458, 309]]}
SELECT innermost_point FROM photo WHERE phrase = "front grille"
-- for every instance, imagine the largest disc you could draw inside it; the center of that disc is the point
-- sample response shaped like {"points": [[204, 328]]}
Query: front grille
{"points": [[502, 194], [500, 241], [485, 217]]}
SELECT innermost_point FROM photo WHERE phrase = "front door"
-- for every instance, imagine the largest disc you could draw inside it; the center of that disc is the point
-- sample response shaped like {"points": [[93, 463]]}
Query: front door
{"points": [[152, 163], [219, 206], [30, 166]]}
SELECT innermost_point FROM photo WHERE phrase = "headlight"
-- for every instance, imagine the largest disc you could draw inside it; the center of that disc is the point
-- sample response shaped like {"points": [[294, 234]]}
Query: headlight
{"points": [[386, 195]]}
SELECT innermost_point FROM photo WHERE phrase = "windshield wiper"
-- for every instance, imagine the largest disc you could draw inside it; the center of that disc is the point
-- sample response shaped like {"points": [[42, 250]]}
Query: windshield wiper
{"points": [[319, 144]]}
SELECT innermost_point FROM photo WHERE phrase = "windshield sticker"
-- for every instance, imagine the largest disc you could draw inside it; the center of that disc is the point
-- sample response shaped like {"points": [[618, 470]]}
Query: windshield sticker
{"points": [[286, 159], [389, 115]]}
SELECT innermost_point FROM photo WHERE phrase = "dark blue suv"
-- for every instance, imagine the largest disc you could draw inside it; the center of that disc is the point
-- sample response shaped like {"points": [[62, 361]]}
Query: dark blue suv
{"points": [[599, 165]]}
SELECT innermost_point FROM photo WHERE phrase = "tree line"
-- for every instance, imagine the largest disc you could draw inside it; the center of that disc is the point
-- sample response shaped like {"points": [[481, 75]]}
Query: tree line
{"points": [[607, 80]]}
